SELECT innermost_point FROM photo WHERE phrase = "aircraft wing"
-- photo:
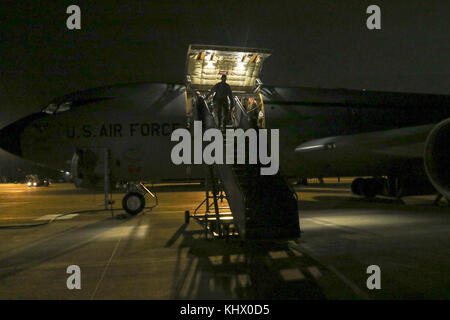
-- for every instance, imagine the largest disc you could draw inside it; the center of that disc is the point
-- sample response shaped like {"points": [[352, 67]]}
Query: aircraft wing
{"points": [[412, 154], [372, 153], [322, 97], [403, 142]]}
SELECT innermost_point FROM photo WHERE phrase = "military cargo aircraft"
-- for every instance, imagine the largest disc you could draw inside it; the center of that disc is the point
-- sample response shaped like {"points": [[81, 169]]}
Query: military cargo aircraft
{"points": [[398, 141]]}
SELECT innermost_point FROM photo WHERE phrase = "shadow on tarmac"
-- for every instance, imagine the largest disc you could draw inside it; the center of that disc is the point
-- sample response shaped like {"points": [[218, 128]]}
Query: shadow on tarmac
{"points": [[327, 202], [224, 269], [55, 246]]}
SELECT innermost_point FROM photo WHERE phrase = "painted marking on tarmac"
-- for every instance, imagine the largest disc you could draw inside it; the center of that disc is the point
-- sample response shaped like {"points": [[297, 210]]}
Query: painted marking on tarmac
{"points": [[106, 268], [358, 231], [356, 290], [136, 232], [278, 254], [57, 217], [13, 204]]}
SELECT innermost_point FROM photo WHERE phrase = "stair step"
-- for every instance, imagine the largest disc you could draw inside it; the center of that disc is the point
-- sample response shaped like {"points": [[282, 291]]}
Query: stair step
{"points": [[228, 219]]}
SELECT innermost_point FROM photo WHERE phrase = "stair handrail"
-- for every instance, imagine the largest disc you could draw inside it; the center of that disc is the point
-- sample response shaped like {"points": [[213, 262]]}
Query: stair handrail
{"points": [[291, 188]]}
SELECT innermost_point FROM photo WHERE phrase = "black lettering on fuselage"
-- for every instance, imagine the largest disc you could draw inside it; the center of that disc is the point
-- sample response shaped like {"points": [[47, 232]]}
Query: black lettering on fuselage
{"points": [[155, 129], [166, 129], [132, 128], [103, 131], [115, 130], [111, 130], [145, 129], [87, 131]]}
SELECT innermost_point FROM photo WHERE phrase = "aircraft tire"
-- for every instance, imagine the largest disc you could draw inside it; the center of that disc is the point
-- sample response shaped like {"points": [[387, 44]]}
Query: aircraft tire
{"points": [[133, 203], [370, 188], [357, 185], [303, 181]]}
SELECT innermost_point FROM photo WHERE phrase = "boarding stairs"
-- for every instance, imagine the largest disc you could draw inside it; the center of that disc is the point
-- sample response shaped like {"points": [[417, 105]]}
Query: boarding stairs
{"points": [[261, 207]]}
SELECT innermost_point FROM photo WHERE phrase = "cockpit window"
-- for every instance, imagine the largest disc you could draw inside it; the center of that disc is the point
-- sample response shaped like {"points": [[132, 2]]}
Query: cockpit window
{"points": [[64, 106], [57, 107], [51, 108]]}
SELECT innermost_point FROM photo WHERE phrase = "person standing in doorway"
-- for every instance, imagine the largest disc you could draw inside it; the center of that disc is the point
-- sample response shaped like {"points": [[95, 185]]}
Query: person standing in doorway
{"points": [[222, 93]]}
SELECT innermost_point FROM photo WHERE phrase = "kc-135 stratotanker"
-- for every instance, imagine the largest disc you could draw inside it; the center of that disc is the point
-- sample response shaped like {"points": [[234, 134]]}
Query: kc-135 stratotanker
{"points": [[399, 142]]}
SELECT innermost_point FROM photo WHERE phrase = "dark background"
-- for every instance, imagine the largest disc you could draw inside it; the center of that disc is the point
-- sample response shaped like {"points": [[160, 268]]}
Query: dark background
{"points": [[315, 44]]}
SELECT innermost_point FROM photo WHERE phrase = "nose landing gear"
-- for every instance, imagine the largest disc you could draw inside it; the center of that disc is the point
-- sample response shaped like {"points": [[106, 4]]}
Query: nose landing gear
{"points": [[134, 201]]}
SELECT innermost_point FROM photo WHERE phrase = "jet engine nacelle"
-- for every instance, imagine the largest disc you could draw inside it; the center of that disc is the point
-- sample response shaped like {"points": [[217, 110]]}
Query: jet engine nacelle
{"points": [[437, 157], [88, 169]]}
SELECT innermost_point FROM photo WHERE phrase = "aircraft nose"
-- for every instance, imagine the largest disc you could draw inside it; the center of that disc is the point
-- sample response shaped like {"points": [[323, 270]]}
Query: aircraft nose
{"points": [[11, 135]]}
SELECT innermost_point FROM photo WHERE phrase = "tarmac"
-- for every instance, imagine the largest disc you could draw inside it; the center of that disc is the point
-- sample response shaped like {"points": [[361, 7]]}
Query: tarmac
{"points": [[155, 255]]}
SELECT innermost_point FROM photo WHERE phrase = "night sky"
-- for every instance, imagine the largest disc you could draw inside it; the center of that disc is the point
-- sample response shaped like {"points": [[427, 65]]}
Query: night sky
{"points": [[315, 44]]}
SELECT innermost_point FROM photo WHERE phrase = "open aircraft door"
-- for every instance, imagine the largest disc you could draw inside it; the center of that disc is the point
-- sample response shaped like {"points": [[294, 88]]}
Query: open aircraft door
{"points": [[205, 65]]}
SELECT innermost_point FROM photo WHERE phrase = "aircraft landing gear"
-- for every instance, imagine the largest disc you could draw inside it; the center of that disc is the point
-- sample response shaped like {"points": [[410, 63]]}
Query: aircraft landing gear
{"points": [[302, 181], [357, 185], [368, 188], [133, 203]]}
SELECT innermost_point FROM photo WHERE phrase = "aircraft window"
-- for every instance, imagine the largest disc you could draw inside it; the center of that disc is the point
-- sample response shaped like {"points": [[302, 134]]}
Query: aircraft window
{"points": [[64, 106], [51, 108]]}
